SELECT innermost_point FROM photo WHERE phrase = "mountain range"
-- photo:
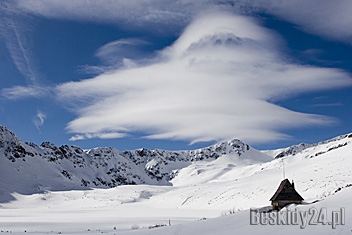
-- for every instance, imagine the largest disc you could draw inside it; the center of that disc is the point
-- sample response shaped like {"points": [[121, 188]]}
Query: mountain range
{"points": [[48, 167], [29, 168]]}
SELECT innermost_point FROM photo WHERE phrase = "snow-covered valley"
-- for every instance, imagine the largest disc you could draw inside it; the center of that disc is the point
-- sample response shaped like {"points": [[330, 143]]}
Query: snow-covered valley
{"points": [[49, 190]]}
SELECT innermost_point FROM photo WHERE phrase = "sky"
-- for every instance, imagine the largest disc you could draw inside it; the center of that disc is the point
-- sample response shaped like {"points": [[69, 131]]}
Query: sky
{"points": [[176, 74]]}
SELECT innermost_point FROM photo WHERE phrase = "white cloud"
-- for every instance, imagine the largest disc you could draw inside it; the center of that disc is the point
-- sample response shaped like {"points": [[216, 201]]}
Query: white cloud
{"points": [[94, 69], [14, 33], [215, 82], [122, 53], [39, 119], [136, 12], [326, 18], [103, 135], [330, 19], [120, 49], [337, 104], [21, 92]]}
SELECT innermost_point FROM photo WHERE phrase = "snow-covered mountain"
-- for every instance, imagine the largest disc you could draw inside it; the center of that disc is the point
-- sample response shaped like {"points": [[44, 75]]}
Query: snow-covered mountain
{"points": [[29, 168], [295, 149]]}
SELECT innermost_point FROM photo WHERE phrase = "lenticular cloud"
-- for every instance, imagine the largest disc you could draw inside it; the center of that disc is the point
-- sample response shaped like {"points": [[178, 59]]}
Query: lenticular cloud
{"points": [[215, 82]]}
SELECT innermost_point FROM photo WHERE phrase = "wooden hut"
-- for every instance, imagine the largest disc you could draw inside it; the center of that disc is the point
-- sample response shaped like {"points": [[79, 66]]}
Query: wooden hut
{"points": [[285, 194]]}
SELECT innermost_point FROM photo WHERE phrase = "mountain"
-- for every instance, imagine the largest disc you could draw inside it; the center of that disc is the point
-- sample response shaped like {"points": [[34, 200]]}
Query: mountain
{"points": [[295, 149], [28, 168]]}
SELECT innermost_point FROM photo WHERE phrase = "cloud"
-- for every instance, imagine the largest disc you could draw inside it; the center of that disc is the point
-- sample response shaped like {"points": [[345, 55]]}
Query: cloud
{"points": [[126, 53], [122, 53], [106, 135], [329, 105], [329, 19], [94, 69], [127, 13], [21, 92], [219, 80], [326, 18], [13, 30], [117, 50], [39, 120]]}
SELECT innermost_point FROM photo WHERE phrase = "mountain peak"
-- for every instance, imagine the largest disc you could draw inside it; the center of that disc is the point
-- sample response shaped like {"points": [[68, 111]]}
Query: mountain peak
{"points": [[6, 134]]}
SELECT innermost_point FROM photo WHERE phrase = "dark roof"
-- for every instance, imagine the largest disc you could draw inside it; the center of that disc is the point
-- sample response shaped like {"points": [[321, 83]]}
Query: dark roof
{"points": [[286, 191]]}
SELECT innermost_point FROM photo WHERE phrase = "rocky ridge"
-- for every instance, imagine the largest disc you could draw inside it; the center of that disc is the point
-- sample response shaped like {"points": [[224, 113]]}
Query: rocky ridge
{"points": [[103, 166]]}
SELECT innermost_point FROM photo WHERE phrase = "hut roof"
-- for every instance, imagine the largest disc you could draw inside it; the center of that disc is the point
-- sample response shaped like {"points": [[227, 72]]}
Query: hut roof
{"points": [[286, 191]]}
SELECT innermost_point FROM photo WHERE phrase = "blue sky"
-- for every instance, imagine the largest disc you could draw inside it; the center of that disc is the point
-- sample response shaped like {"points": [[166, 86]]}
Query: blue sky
{"points": [[176, 74]]}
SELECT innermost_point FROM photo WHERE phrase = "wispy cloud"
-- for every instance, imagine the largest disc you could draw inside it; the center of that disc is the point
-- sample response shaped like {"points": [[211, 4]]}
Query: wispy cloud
{"points": [[329, 19], [116, 51], [122, 53], [104, 135], [329, 105], [215, 82], [20, 92], [14, 32], [39, 119], [94, 69], [127, 13], [308, 15]]}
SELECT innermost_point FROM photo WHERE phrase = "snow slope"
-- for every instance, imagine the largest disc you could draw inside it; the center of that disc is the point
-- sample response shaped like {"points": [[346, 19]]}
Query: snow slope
{"points": [[238, 223], [198, 185]]}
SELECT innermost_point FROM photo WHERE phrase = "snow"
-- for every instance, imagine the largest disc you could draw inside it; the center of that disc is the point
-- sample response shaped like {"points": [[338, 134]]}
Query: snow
{"points": [[195, 201]]}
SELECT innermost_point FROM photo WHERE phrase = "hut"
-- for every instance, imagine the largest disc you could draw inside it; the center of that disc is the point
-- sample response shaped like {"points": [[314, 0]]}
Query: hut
{"points": [[285, 194]]}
